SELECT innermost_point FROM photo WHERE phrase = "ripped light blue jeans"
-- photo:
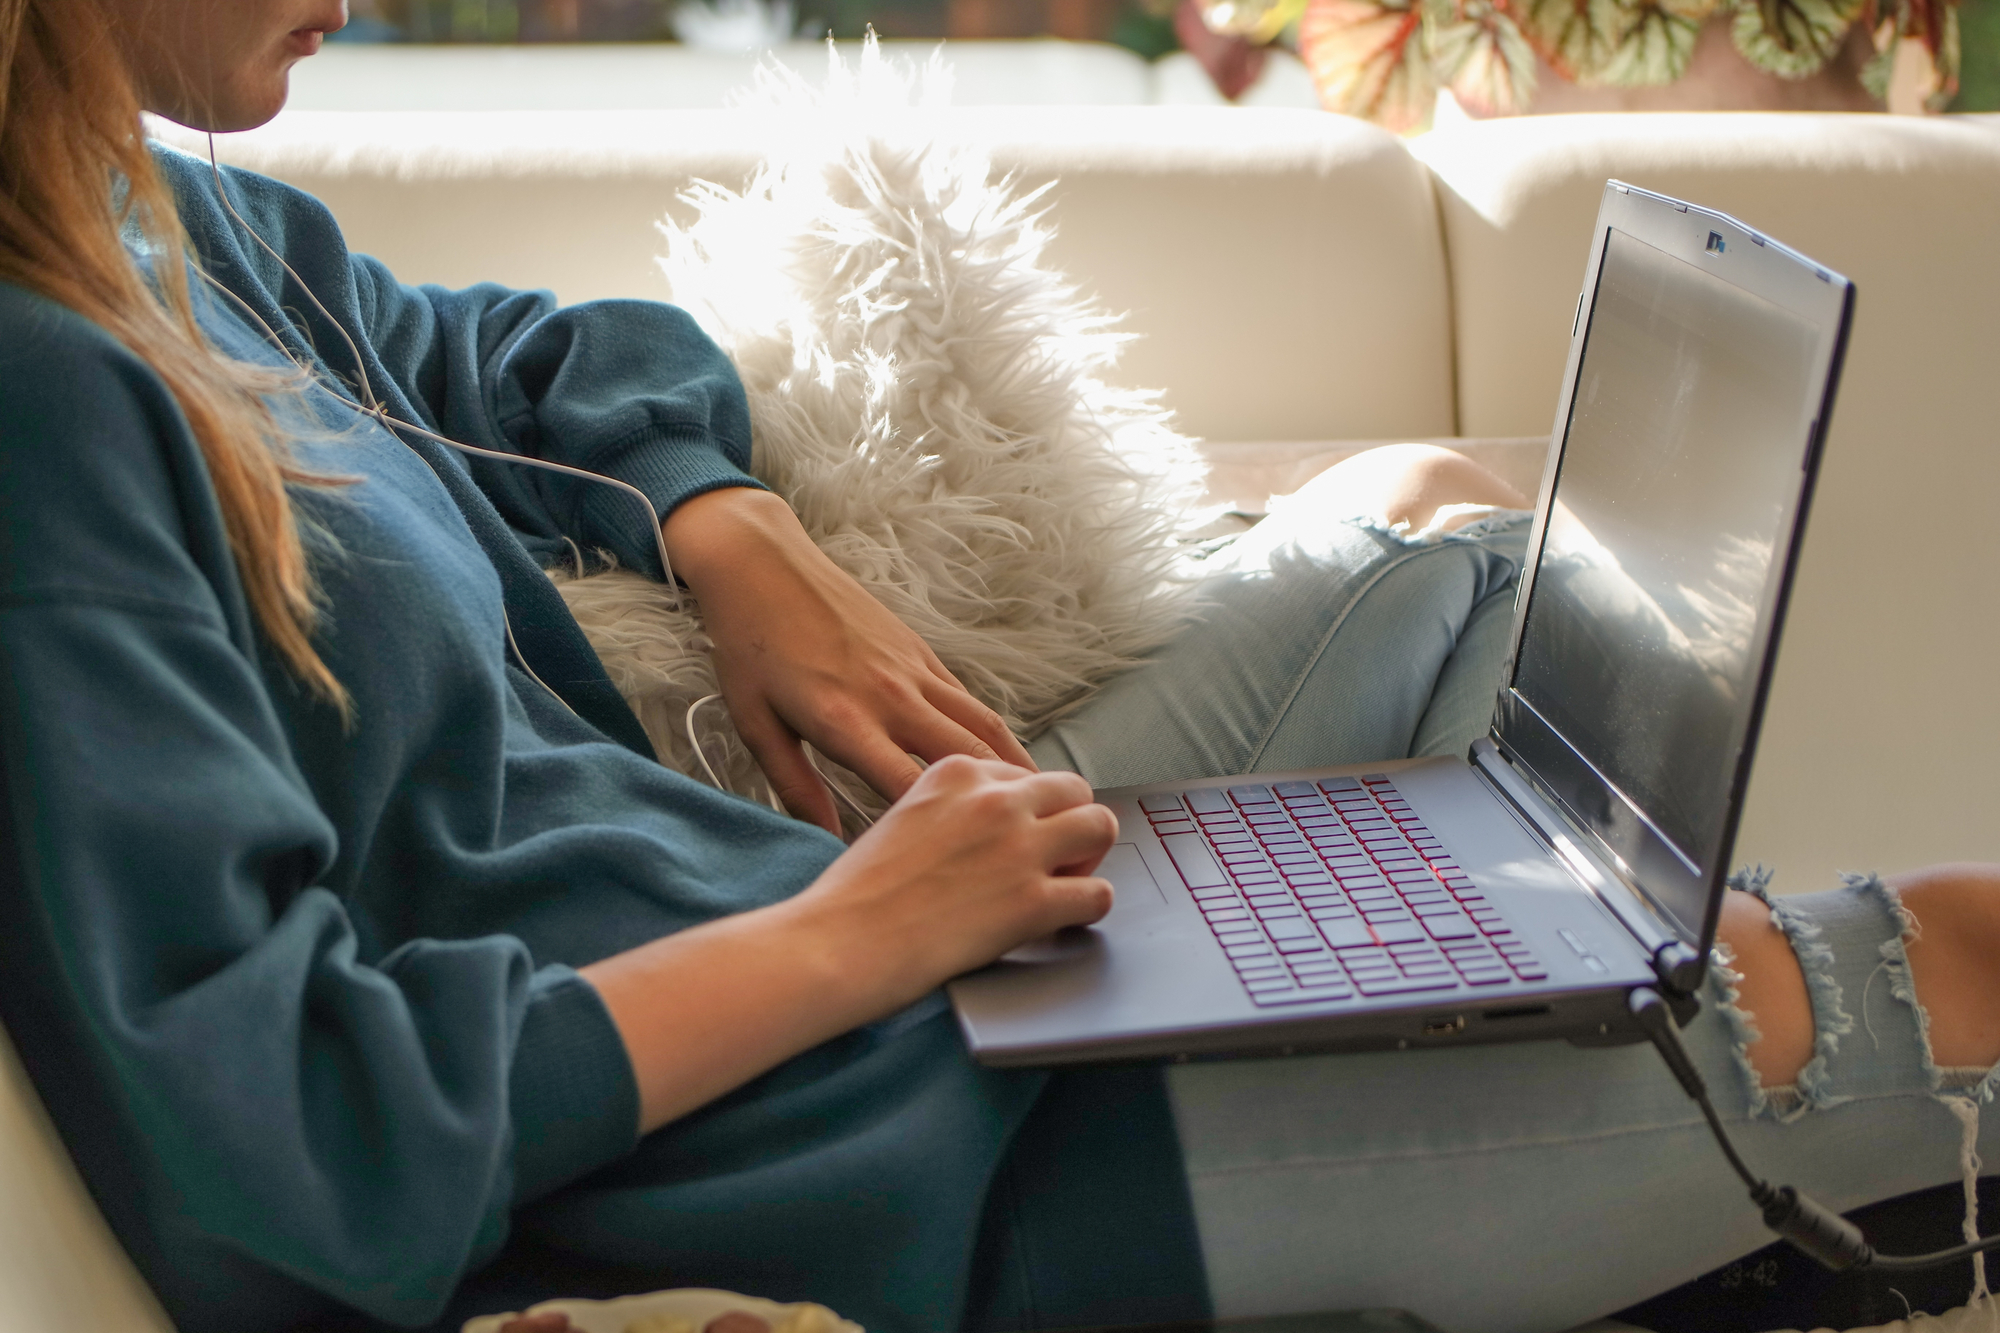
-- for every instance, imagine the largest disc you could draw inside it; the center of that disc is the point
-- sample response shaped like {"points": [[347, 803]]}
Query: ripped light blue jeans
{"points": [[1525, 1187]]}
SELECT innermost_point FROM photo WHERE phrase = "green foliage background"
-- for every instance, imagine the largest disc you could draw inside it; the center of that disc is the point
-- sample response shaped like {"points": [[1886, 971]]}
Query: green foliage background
{"points": [[1141, 27], [1979, 70]]}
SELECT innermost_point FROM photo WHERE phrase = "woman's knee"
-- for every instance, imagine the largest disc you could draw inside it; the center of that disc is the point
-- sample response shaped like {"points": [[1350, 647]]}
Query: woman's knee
{"points": [[1954, 953], [1409, 483], [1772, 990]]}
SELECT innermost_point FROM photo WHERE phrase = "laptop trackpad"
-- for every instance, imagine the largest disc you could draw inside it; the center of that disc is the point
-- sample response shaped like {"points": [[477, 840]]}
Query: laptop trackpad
{"points": [[1135, 891], [1136, 888]]}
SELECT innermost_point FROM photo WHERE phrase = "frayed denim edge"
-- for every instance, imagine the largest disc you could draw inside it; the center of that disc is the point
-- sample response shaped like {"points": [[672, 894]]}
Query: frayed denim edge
{"points": [[1960, 1099], [1831, 1021], [1726, 982], [1978, 1085], [1491, 524], [1902, 985]]}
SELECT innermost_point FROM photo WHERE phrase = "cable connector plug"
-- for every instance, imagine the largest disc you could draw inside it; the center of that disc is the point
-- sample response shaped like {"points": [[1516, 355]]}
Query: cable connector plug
{"points": [[1809, 1226], [1806, 1224], [1814, 1228], [1656, 1019]]}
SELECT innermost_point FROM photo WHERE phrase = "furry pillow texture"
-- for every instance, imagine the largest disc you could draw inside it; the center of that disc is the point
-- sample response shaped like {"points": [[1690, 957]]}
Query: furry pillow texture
{"points": [[931, 398]]}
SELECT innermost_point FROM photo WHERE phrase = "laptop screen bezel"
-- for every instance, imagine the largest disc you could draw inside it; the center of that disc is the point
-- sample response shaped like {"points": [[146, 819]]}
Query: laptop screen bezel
{"points": [[1621, 835]]}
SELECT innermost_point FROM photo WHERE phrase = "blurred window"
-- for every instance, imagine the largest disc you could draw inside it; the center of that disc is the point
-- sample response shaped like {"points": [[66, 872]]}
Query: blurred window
{"points": [[653, 20]]}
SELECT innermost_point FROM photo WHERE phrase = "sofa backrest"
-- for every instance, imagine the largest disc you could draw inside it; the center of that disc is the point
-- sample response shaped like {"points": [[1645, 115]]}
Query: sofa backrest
{"points": [[656, 76], [1284, 269], [1877, 748]]}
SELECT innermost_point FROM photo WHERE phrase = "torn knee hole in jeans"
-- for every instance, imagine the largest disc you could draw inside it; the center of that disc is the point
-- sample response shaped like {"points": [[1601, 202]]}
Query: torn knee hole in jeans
{"points": [[1780, 1103], [1960, 1091], [1812, 1089], [1893, 972]]}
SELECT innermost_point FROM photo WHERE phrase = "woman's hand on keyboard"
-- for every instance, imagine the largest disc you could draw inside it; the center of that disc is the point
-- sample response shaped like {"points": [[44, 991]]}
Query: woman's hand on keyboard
{"points": [[977, 857]]}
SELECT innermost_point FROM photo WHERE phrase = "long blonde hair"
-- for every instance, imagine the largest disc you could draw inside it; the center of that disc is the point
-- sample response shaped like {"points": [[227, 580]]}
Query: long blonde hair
{"points": [[75, 170]]}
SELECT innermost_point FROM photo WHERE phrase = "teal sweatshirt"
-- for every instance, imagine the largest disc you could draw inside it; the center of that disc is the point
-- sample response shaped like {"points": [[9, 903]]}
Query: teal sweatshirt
{"points": [[301, 998]]}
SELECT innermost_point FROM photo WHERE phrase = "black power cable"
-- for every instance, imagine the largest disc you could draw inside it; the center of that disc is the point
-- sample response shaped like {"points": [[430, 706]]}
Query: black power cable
{"points": [[1808, 1224]]}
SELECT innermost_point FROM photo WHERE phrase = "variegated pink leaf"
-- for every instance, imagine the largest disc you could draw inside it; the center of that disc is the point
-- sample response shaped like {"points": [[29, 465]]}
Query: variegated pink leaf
{"points": [[1368, 58]]}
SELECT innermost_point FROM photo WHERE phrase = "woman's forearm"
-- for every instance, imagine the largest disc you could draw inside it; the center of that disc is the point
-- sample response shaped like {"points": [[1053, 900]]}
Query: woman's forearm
{"points": [[708, 1009]]}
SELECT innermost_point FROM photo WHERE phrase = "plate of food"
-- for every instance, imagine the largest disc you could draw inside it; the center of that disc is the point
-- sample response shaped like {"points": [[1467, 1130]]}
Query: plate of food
{"points": [[681, 1310]]}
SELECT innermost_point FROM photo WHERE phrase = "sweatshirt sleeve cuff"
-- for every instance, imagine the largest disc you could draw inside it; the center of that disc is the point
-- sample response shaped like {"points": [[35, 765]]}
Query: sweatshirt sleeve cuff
{"points": [[574, 1101], [671, 467]]}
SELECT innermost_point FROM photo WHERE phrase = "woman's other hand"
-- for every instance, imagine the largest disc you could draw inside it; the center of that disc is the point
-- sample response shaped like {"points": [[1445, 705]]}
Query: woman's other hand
{"points": [[803, 652], [977, 857]]}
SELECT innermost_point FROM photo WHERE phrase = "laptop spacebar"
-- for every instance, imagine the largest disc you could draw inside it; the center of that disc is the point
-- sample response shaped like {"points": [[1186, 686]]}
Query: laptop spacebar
{"points": [[1193, 859]]}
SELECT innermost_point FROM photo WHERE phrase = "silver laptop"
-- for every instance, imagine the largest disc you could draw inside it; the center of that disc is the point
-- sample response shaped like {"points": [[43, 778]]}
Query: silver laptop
{"points": [[1581, 849]]}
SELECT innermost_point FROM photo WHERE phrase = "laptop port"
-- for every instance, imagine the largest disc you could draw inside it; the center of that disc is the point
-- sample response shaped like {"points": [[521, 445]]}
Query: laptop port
{"points": [[1520, 1011], [1445, 1027]]}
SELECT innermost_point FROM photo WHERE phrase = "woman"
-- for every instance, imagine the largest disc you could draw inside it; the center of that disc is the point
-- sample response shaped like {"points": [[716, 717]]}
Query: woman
{"points": [[347, 923]]}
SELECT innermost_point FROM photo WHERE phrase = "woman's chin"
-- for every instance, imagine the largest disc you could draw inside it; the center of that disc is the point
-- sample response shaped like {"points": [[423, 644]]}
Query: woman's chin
{"points": [[260, 110], [238, 109]]}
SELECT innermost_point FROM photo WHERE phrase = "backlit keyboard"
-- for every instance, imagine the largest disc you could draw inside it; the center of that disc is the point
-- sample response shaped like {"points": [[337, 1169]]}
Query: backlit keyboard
{"points": [[1321, 890]]}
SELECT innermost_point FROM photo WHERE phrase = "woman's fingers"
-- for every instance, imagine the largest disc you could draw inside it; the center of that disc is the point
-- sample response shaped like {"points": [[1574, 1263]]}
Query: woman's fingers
{"points": [[979, 856], [1050, 793], [876, 760], [781, 756], [552, 1321], [878, 748], [1078, 838], [799, 639], [943, 720], [983, 724], [1077, 900], [1070, 832]]}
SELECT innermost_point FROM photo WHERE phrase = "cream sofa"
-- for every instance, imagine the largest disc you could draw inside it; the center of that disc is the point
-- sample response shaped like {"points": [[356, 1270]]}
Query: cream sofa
{"points": [[1303, 283], [1301, 280]]}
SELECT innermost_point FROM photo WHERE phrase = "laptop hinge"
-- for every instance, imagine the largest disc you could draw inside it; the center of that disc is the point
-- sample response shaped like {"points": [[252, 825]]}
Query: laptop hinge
{"points": [[1678, 967]]}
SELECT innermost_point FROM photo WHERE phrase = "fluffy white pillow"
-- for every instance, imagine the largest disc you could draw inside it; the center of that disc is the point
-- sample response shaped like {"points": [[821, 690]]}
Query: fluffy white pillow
{"points": [[931, 399]]}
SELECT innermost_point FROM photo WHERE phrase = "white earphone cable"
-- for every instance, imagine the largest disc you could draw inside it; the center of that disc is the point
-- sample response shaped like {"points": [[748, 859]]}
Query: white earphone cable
{"points": [[369, 405], [506, 621], [695, 740]]}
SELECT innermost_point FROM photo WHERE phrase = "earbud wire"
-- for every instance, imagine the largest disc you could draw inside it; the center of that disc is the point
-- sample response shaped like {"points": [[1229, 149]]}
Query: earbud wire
{"points": [[369, 405]]}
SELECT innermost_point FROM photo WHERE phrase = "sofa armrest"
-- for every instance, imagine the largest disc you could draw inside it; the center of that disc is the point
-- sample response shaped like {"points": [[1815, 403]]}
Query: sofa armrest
{"points": [[61, 1269]]}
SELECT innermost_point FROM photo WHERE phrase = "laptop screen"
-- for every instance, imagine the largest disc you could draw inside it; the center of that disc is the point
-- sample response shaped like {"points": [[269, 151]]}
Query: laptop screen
{"points": [[1689, 423]]}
